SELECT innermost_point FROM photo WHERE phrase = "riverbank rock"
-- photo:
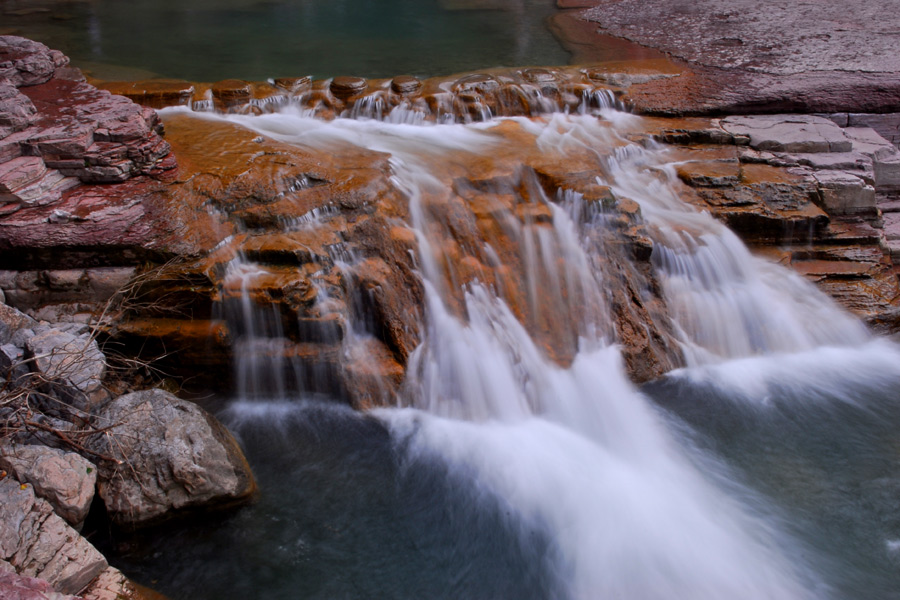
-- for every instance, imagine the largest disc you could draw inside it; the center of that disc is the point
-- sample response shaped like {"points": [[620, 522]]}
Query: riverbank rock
{"points": [[741, 60], [18, 587], [174, 456], [38, 543], [64, 479]]}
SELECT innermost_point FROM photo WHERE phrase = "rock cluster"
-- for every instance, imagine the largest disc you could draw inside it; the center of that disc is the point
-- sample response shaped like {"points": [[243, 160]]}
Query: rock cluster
{"points": [[149, 454], [48, 146]]}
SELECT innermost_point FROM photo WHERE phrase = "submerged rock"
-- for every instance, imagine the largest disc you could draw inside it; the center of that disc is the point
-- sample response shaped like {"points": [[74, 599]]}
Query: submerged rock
{"points": [[173, 456]]}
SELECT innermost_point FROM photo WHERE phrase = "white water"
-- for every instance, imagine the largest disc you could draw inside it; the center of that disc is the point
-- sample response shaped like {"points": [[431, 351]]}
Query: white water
{"points": [[579, 448]]}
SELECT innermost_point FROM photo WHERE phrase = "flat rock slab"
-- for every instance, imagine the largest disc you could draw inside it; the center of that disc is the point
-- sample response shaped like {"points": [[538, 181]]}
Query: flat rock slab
{"points": [[789, 133], [779, 37]]}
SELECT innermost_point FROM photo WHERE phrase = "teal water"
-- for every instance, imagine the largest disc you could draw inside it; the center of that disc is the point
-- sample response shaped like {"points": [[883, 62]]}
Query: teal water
{"points": [[208, 40]]}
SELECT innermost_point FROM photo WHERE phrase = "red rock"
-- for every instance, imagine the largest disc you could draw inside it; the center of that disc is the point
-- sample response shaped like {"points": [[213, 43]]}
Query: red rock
{"points": [[27, 63], [345, 87], [20, 172]]}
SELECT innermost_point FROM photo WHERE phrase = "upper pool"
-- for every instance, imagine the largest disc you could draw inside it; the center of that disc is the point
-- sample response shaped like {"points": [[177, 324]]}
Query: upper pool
{"points": [[207, 40]]}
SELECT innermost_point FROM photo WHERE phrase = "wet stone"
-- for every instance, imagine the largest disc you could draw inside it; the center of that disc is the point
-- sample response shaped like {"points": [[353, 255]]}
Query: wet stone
{"points": [[538, 75], [405, 84], [478, 82], [344, 87], [232, 91], [293, 84]]}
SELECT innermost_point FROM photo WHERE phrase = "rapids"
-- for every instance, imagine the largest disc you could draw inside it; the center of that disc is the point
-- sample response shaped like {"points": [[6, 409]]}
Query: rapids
{"points": [[765, 468]]}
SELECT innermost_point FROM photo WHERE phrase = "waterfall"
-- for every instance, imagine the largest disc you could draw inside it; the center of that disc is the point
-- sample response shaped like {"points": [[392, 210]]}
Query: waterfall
{"points": [[518, 387]]}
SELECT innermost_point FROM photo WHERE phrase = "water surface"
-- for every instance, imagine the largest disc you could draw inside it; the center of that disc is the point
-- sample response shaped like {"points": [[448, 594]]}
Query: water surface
{"points": [[209, 40]]}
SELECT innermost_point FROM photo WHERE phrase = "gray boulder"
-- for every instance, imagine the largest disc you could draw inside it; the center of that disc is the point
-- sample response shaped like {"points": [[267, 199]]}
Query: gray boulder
{"points": [[174, 455], [38, 543], [73, 359], [64, 479]]}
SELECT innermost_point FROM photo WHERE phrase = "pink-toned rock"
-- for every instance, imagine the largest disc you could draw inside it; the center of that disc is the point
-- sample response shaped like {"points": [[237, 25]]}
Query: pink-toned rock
{"points": [[25, 62], [20, 172], [38, 543], [19, 587], [16, 110]]}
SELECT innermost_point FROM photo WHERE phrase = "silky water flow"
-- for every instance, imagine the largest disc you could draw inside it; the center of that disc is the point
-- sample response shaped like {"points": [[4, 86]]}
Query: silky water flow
{"points": [[763, 469]]}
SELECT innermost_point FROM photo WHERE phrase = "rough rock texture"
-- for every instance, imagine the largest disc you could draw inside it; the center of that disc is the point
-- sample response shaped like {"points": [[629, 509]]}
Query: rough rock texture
{"points": [[25, 62], [112, 584], [823, 213], [11, 320], [64, 479], [38, 543], [18, 587], [74, 360], [58, 133], [174, 456], [833, 59]]}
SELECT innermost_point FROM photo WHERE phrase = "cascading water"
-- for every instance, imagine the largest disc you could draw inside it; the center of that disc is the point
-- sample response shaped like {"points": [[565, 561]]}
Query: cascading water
{"points": [[526, 464]]}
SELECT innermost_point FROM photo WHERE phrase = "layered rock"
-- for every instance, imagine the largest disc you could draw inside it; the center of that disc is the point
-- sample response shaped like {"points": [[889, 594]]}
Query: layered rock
{"points": [[38, 543], [802, 191]]}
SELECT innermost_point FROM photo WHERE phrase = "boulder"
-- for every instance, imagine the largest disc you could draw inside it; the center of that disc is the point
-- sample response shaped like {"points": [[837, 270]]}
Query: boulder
{"points": [[19, 587], [64, 479], [38, 543], [174, 455], [72, 359]]}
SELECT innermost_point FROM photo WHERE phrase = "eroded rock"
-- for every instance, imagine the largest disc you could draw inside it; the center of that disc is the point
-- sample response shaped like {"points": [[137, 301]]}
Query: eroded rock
{"points": [[173, 455]]}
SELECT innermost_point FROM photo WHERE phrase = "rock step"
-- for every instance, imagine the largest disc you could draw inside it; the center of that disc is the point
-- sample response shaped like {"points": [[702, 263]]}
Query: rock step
{"points": [[318, 245], [473, 96]]}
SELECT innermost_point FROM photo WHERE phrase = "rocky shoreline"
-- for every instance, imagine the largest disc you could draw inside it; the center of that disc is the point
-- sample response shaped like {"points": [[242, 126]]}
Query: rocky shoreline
{"points": [[116, 236]]}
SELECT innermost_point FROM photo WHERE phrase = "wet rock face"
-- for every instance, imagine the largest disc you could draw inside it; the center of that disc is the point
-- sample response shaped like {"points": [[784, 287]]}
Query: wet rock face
{"points": [[803, 191], [173, 456]]}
